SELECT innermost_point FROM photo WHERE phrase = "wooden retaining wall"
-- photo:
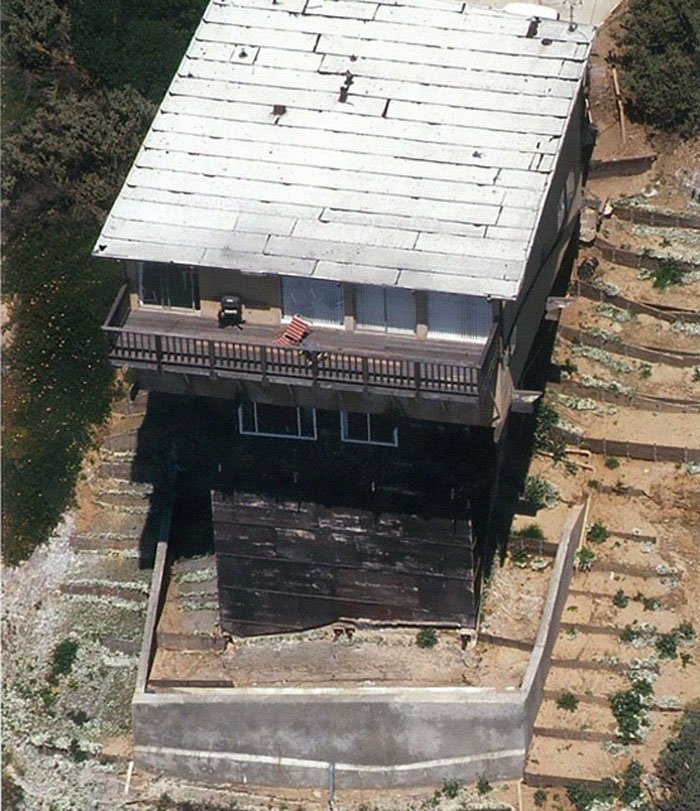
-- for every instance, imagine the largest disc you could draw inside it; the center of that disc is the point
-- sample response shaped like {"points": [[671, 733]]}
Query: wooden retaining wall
{"points": [[639, 401], [650, 354], [632, 259], [630, 450], [590, 291], [621, 167], [646, 216]]}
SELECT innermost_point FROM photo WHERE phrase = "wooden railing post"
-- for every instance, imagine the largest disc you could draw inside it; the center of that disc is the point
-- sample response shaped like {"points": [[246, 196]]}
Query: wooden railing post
{"points": [[263, 362], [212, 359], [365, 370], [416, 374], [159, 352]]}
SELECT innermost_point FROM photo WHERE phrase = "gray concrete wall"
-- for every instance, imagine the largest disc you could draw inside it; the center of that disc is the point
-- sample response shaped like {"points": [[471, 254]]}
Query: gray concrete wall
{"points": [[372, 737]]}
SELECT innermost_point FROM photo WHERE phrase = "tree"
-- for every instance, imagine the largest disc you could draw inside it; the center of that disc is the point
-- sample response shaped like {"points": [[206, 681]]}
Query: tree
{"points": [[678, 767], [659, 54]]}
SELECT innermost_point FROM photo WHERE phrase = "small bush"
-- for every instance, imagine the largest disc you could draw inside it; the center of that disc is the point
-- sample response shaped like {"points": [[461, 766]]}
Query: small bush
{"points": [[519, 557], [597, 533], [532, 532], [583, 798], [64, 655], [540, 798], [631, 789], [586, 558], [483, 786], [427, 638], [450, 788], [685, 631], [546, 418], [612, 462], [644, 371], [667, 646], [629, 633], [538, 493], [76, 753], [668, 273], [628, 708], [696, 374], [567, 701], [620, 600]]}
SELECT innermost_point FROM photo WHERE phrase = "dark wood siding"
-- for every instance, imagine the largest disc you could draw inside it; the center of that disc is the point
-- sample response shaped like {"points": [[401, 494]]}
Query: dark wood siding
{"points": [[285, 565]]}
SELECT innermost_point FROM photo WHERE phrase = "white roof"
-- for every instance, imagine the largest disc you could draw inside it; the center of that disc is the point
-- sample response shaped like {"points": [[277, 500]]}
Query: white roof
{"points": [[428, 171]]}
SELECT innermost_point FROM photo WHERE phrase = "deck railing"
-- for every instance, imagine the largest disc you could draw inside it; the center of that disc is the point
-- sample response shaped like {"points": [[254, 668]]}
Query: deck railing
{"points": [[271, 363]]}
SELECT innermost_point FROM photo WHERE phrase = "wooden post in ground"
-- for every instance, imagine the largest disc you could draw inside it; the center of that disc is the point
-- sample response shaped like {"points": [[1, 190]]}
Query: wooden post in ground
{"points": [[620, 106]]}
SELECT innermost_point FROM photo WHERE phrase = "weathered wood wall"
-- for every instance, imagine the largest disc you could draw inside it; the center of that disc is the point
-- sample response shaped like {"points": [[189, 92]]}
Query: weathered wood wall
{"points": [[286, 566]]}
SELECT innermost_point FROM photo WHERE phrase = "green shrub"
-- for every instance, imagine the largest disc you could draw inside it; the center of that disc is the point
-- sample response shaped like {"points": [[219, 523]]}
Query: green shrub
{"points": [[629, 633], [667, 646], [658, 49], [628, 708], [582, 798], [597, 533], [546, 418], [668, 273], [586, 558], [58, 383], [450, 788], [685, 631], [612, 462], [678, 766], [483, 786], [540, 798], [532, 532], [538, 493], [64, 655], [567, 701], [427, 638], [72, 153], [139, 44], [620, 600], [631, 789]]}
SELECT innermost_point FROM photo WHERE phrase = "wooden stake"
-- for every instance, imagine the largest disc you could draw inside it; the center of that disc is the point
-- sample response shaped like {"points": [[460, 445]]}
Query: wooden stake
{"points": [[620, 106]]}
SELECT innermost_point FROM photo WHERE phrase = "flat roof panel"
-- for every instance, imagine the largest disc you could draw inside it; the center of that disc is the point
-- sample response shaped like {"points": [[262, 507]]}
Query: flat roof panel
{"points": [[407, 142]]}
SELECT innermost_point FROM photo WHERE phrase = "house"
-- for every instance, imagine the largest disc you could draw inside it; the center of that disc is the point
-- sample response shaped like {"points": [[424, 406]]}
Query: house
{"points": [[385, 189]]}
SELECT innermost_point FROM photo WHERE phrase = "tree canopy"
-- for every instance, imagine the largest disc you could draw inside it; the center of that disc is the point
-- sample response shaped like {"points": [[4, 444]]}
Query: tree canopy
{"points": [[658, 50]]}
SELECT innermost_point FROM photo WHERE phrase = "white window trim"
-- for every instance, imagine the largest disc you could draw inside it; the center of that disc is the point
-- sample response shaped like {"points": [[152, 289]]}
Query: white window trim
{"points": [[298, 435], [345, 438]]}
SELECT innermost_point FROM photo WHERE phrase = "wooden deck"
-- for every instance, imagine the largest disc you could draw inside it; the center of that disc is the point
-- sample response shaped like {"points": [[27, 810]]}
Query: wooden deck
{"points": [[286, 566], [194, 344]]}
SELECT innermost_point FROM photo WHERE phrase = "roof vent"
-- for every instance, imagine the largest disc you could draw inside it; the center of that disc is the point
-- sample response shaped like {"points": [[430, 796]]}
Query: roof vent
{"points": [[532, 28]]}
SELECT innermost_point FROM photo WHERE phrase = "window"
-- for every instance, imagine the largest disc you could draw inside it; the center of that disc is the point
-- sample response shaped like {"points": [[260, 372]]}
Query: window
{"points": [[316, 300], [390, 309], [168, 286], [369, 429], [280, 421], [451, 316], [566, 200]]}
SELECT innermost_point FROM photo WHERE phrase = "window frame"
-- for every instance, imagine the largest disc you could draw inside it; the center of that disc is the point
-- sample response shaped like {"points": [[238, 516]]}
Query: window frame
{"points": [[256, 432], [369, 441]]}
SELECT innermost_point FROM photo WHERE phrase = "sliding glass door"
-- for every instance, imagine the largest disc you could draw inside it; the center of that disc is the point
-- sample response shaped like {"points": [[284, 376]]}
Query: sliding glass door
{"points": [[385, 309], [168, 286]]}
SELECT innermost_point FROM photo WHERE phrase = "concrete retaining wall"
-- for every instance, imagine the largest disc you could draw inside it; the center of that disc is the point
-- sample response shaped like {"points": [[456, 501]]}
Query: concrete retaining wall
{"points": [[370, 737]]}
